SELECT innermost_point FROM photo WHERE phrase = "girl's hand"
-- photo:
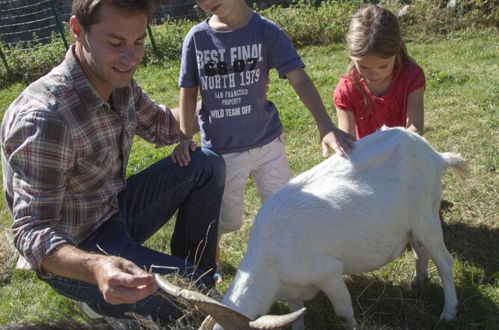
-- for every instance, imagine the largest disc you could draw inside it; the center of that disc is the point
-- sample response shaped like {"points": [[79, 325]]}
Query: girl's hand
{"points": [[342, 143], [181, 153]]}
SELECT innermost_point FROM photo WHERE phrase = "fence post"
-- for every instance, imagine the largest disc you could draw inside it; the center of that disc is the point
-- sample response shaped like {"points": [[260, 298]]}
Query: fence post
{"points": [[153, 43], [4, 60], [58, 24]]}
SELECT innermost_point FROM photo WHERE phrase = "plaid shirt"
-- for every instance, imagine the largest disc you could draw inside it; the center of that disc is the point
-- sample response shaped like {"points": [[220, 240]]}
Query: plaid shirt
{"points": [[64, 156]]}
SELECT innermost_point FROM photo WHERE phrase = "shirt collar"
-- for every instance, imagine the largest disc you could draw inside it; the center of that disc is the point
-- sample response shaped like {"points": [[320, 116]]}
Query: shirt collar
{"points": [[88, 95]]}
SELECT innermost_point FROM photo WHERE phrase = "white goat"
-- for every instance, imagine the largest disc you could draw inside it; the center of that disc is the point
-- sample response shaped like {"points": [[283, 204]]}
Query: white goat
{"points": [[345, 216]]}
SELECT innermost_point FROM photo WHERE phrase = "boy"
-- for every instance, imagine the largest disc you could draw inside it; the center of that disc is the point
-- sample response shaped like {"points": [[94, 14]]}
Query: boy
{"points": [[228, 57]]}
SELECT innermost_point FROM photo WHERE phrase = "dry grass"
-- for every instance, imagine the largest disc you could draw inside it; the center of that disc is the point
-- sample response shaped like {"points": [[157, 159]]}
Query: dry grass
{"points": [[8, 254]]}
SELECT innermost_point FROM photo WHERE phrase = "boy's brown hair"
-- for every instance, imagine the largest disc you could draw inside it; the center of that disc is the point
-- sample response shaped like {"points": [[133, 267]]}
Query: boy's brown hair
{"points": [[87, 11]]}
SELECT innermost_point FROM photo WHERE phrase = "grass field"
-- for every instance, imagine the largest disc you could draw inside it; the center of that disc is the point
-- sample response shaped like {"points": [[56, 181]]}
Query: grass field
{"points": [[462, 115]]}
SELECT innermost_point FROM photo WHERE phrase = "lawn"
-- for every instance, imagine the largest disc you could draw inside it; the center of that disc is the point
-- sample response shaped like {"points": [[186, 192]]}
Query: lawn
{"points": [[461, 115]]}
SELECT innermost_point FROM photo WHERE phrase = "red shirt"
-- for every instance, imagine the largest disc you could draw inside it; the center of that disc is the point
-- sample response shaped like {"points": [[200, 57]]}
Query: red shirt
{"points": [[389, 109]]}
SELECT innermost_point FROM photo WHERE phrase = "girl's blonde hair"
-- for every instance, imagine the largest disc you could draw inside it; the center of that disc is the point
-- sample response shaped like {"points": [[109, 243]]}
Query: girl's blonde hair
{"points": [[374, 30]]}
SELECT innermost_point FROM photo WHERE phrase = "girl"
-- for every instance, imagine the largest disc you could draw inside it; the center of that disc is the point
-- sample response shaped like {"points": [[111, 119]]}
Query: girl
{"points": [[382, 85]]}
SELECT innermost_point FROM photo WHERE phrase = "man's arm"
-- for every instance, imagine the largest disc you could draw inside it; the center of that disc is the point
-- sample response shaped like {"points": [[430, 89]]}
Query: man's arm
{"points": [[38, 155], [331, 136], [119, 280]]}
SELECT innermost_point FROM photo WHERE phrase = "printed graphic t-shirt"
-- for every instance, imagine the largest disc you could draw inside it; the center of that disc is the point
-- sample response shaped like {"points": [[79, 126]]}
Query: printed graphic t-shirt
{"points": [[389, 109], [231, 69]]}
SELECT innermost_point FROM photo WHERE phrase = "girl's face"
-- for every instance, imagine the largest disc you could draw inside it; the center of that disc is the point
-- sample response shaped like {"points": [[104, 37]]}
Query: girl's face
{"points": [[375, 70]]}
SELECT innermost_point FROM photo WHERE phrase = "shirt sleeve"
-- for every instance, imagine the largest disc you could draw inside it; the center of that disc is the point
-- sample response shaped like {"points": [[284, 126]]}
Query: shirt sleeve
{"points": [[188, 76], [283, 55], [342, 96], [154, 123], [39, 149], [416, 78]]}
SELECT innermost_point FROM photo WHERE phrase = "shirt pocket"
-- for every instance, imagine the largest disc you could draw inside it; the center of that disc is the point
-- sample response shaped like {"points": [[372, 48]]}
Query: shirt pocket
{"points": [[93, 170]]}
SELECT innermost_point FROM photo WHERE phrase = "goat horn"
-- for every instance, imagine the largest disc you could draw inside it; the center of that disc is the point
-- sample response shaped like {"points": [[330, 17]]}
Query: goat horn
{"points": [[277, 321], [226, 317]]}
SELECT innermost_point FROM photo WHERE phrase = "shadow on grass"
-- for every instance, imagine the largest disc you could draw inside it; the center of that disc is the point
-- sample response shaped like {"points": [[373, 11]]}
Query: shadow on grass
{"points": [[68, 323], [478, 246], [379, 304], [228, 269]]}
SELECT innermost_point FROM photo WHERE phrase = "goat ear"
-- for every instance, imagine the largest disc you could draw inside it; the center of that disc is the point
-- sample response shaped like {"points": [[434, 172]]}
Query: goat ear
{"points": [[277, 321], [226, 317]]}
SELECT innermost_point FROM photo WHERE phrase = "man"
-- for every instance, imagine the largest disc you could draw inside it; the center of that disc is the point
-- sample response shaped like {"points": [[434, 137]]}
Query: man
{"points": [[65, 145]]}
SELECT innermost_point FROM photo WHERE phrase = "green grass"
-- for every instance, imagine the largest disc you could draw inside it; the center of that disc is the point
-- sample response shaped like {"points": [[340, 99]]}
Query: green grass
{"points": [[462, 115]]}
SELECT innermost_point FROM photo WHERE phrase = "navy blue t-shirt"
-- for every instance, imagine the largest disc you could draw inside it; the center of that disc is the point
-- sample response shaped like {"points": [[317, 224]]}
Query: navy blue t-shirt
{"points": [[232, 70]]}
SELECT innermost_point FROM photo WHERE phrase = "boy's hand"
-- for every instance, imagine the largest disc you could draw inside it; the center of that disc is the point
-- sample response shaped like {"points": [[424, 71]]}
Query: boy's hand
{"points": [[342, 143], [181, 153]]}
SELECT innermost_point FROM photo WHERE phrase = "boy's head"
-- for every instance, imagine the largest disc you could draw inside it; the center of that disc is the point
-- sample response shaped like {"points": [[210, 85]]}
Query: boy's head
{"points": [[375, 30], [87, 11], [221, 8]]}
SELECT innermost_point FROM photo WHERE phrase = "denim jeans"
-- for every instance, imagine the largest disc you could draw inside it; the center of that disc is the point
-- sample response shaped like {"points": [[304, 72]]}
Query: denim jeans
{"points": [[149, 200]]}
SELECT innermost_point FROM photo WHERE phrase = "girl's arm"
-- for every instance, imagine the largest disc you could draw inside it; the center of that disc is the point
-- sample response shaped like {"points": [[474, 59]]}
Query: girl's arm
{"points": [[331, 136], [188, 98], [415, 111], [346, 121]]}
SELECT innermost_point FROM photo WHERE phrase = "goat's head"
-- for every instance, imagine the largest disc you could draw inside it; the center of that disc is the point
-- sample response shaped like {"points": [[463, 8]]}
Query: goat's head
{"points": [[226, 317]]}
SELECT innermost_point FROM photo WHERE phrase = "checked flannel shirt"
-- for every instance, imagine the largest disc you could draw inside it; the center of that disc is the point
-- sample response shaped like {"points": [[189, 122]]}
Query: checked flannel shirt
{"points": [[65, 153]]}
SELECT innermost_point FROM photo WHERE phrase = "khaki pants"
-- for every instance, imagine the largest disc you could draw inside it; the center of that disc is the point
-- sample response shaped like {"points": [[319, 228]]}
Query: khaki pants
{"points": [[269, 167]]}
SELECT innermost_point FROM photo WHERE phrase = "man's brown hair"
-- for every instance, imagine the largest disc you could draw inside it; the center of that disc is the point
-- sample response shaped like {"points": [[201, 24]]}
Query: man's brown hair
{"points": [[87, 11]]}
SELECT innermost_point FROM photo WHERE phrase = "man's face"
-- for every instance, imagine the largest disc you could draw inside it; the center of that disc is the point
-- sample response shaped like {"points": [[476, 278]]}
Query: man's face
{"points": [[112, 49]]}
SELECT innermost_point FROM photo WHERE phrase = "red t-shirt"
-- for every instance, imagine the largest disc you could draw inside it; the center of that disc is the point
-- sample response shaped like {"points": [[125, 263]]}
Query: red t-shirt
{"points": [[389, 109]]}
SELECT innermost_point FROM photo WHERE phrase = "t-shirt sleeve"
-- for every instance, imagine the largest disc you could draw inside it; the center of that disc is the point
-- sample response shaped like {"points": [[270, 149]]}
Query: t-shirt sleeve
{"points": [[188, 66], [283, 55], [416, 78], [342, 97]]}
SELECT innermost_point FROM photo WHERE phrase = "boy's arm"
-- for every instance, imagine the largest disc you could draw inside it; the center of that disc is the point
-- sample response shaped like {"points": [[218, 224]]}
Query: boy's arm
{"points": [[176, 117], [415, 111], [187, 112], [331, 136]]}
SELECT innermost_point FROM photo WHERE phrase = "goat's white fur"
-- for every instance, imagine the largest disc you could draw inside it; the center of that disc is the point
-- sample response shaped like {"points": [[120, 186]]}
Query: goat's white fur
{"points": [[347, 216]]}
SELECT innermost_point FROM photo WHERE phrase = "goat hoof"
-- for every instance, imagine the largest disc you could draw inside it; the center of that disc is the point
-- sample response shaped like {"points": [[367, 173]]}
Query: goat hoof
{"points": [[350, 324], [448, 315], [417, 281]]}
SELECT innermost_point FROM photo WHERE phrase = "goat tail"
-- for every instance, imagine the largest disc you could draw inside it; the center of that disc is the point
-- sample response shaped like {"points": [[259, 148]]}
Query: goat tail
{"points": [[457, 162]]}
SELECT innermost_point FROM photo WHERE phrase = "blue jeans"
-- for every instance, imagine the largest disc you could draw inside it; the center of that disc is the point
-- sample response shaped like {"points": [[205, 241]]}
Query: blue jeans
{"points": [[149, 200]]}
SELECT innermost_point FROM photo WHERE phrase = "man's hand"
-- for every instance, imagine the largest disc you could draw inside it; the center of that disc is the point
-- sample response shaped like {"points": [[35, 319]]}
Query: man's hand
{"points": [[181, 153], [342, 143], [121, 281]]}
